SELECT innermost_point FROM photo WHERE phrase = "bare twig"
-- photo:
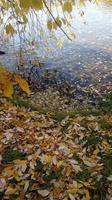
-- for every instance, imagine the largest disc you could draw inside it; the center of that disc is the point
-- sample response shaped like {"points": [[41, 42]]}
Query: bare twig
{"points": [[56, 21]]}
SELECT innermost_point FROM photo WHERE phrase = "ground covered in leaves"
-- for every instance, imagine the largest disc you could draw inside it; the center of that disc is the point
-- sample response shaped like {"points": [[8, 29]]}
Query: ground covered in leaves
{"points": [[44, 157]]}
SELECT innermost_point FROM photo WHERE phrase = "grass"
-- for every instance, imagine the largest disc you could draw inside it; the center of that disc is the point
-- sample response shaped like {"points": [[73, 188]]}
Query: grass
{"points": [[20, 102], [106, 105], [105, 124], [84, 175], [11, 155], [103, 108], [39, 166], [1, 195], [53, 175], [107, 161], [86, 112], [101, 186], [93, 140], [17, 101], [58, 116], [49, 176], [13, 197]]}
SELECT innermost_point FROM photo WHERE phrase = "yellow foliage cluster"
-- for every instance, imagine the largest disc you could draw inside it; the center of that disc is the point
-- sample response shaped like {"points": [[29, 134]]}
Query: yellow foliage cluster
{"points": [[7, 81], [20, 9]]}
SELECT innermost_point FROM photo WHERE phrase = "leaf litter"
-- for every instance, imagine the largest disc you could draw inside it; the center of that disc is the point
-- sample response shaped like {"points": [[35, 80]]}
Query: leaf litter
{"points": [[42, 158]]}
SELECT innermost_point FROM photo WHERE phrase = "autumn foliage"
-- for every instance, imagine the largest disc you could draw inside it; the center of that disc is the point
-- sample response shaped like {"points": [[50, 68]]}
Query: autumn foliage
{"points": [[42, 158], [16, 20], [8, 80]]}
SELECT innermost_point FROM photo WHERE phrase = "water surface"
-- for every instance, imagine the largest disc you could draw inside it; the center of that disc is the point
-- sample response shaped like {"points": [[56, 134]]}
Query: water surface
{"points": [[86, 62]]}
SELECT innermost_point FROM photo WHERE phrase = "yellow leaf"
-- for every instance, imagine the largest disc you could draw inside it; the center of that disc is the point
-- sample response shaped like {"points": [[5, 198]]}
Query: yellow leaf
{"points": [[87, 194], [46, 159], [49, 24], [82, 2], [8, 89], [67, 7], [80, 185], [10, 30], [59, 23], [25, 20], [96, 152], [25, 4], [37, 4], [74, 188], [2, 69], [10, 191], [6, 82], [20, 162], [82, 13], [64, 21], [55, 25], [8, 171], [65, 198], [23, 84]]}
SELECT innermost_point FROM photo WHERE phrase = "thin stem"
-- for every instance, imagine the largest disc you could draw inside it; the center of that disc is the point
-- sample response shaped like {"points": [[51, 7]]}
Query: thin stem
{"points": [[56, 21]]}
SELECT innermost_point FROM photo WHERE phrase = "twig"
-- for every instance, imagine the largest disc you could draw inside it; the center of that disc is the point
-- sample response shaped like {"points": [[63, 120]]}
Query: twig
{"points": [[56, 21]]}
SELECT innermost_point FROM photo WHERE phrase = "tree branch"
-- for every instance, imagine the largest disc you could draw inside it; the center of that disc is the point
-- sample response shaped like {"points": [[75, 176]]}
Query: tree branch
{"points": [[56, 21]]}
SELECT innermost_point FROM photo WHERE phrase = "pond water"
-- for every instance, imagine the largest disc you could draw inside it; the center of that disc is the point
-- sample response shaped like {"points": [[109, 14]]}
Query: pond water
{"points": [[86, 62]]}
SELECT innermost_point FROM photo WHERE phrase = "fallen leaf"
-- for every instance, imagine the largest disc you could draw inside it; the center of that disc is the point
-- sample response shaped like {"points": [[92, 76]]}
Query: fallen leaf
{"points": [[43, 193]]}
